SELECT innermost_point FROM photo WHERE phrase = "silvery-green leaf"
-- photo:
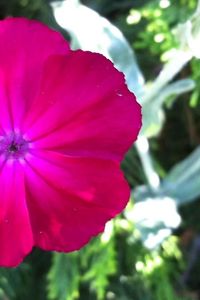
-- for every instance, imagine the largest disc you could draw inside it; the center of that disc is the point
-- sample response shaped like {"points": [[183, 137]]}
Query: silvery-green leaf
{"points": [[154, 218], [153, 116], [169, 71], [90, 31], [142, 146], [188, 33], [183, 181], [182, 184]]}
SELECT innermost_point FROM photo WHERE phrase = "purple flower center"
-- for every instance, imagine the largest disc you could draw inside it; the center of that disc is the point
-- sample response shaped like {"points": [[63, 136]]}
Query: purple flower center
{"points": [[13, 146]]}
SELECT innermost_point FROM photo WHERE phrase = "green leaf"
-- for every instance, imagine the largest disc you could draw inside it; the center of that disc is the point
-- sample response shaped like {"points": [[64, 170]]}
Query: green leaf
{"points": [[100, 259], [64, 277]]}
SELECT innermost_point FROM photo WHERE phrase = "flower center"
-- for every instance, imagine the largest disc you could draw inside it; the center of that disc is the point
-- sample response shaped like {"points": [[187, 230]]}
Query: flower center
{"points": [[13, 146]]}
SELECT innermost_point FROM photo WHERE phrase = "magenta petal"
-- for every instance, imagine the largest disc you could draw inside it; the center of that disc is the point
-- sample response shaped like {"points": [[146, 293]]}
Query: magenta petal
{"points": [[84, 108], [66, 120], [16, 239], [70, 199], [24, 47]]}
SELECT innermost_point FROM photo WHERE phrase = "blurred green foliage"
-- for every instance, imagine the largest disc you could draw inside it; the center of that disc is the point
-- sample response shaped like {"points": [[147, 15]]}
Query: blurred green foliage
{"points": [[117, 266]]}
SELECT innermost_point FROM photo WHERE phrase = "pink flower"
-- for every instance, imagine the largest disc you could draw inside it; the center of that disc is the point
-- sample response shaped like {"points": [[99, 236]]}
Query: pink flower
{"points": [[66, 121]]}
